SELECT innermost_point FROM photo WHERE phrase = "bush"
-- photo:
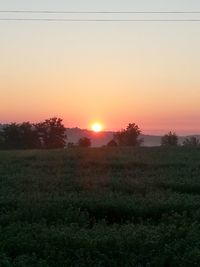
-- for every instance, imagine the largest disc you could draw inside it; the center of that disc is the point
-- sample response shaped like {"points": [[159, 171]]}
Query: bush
{"points": [[191, 142], [84, 142], [112, 143], [170, 139]]}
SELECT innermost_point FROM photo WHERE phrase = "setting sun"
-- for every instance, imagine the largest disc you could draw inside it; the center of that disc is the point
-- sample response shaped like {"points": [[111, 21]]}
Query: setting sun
{"points": [[97, 127]]}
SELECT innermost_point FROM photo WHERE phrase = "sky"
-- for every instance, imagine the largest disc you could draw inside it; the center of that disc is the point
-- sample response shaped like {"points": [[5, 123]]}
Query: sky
{"points": [[111, 72]]}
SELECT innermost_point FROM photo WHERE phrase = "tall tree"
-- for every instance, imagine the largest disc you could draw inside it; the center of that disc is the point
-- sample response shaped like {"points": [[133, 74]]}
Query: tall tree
{"points": [[2, 142], [52, 133], [129, 136], [10, 137], [29, 136], [19, 136]]}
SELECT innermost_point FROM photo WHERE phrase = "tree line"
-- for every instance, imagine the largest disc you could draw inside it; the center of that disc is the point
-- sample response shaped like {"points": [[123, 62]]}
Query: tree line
{"points": [[51, 134], [131, 137]]}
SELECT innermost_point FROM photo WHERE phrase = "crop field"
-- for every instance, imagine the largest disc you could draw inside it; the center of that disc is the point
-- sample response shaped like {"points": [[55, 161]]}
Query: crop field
{"points": [[100, 207]]}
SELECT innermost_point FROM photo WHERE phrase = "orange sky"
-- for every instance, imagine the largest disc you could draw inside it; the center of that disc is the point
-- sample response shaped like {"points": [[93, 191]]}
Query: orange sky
{"points": [[113, 73]]}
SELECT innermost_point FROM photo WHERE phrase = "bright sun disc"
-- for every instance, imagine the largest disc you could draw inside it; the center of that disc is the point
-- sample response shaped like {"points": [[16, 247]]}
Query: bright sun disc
{"points": [[97, 127]]}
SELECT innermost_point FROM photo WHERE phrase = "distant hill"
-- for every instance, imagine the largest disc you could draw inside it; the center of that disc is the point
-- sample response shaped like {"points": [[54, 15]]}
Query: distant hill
{"points": [[100, 139]]}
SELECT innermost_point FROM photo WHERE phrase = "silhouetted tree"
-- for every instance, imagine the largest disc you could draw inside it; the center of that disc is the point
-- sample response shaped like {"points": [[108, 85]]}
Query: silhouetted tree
{"points": [[112, 143], [10, 137], [170, 139], [84, 142], [2, 144], [29, 136], [47, 134], [191, 142], [129, 136], [19, 136], [51, 133]]}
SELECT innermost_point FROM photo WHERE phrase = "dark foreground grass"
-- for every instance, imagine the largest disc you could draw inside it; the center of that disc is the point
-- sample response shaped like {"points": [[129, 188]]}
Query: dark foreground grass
{"points": [[100, 207]]}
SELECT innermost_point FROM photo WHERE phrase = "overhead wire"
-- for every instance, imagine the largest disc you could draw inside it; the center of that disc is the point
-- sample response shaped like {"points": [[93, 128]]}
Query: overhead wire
{"points": [[51, 12], [99, 20], [98, 12]]}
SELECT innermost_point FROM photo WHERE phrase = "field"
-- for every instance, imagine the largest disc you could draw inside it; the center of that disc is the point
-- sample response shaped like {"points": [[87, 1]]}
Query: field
{"points": [[100, 207]]}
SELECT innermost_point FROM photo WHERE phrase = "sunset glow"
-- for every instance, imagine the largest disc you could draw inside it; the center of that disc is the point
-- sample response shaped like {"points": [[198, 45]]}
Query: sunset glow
{"points": [[97, 127], [102, 70]]}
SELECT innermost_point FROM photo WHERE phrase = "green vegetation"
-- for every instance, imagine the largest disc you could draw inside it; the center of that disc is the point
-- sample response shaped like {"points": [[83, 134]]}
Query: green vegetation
{"points": [[100, 207]]}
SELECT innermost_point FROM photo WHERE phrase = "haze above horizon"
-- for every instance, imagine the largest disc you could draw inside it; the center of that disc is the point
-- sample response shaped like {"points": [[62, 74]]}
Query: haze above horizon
{"points": [[110, 72]]}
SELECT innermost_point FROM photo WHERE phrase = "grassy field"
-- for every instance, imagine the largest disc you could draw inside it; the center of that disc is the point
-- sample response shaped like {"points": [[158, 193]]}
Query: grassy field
{"points": [[100, 207]]}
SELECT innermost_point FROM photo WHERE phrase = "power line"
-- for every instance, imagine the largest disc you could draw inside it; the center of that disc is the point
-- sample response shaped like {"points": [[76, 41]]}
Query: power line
{"points": [[100, 20], [98, 12]]}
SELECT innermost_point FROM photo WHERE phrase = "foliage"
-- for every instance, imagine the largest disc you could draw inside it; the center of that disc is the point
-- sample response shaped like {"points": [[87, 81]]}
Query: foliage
{"points": [[19, 136], [84, 142], [170, 139], [129, 136], [47, 134], [100, 207], [51, 133], [191, 142]]}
